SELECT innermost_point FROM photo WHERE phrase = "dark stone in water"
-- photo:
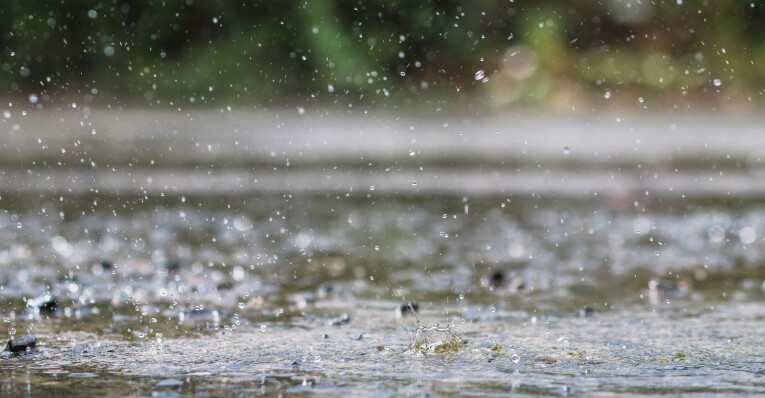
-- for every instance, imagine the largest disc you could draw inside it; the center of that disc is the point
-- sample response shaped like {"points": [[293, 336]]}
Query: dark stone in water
{"points": [[497, 279], [225, 285], [173, 266], [46, 304], [326, 290], [22, 344], [344, 319], [107, 265], [48, 307], [408, 309]]}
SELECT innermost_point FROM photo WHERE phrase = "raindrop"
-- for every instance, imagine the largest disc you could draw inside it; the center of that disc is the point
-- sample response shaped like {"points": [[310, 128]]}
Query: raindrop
{"points": [[515, 358], [717, 82], [92, 14], [33, 98], [566, 150], [480, 74]]}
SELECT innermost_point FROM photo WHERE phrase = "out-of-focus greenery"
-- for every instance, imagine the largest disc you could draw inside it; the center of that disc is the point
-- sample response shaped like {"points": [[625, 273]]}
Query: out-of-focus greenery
{"points": [[552, 53]]}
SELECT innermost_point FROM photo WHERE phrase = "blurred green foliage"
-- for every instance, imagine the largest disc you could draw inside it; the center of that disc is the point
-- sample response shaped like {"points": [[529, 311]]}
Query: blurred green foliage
{"points": [[550, 53]]}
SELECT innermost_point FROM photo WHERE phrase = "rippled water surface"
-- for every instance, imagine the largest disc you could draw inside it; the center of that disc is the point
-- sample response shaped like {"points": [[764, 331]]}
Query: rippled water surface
{"points": [[162, 254]]}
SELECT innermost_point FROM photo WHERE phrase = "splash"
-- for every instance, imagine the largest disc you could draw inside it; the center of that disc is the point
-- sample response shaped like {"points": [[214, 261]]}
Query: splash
{"points": [[434, 339]]}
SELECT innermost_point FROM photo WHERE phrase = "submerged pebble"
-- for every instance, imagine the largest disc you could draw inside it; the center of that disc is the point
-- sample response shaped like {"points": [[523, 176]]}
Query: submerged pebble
{"points": [[408, 309], [344, 319], [22, 344], [497, 279], [44, 305]]}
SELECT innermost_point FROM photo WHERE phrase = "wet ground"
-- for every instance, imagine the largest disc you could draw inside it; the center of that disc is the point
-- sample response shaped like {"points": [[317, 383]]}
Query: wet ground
{"points": [[213, 254]]}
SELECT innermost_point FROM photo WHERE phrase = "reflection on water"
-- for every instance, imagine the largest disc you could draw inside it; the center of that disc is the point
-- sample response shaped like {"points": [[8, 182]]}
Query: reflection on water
{"points": [[555, 278]]}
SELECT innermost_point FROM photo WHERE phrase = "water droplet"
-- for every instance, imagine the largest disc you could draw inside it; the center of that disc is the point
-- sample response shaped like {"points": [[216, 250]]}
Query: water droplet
{"points": [[566, 150], [607, 95], [330, 88], [480, 74], [92, 14], [33, 98], [414, 182], [515, 358], [263, 328], [717, 82]]}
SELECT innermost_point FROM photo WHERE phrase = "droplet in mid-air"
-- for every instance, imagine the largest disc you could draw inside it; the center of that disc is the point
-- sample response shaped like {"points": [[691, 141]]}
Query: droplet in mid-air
{"points": [[566, 150], [480, 74]]}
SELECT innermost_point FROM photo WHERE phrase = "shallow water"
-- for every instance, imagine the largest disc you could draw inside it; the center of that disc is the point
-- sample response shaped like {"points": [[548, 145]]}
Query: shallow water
{"points": [[263, 261]]}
